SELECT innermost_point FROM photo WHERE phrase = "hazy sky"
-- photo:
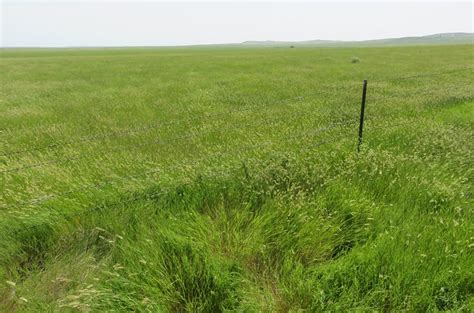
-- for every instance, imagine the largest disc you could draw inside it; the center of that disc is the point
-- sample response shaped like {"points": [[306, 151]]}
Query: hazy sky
{"points": [[56, 23]]}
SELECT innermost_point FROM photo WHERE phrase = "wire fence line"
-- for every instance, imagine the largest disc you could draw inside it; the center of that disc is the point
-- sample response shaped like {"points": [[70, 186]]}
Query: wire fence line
{"points": [[98, 186], [48, 162], [44, 198], [127, 131], [141, 144], [104, 183], [422, 92], [323, 89], [392, 125], [140, 129], [404, 97]]}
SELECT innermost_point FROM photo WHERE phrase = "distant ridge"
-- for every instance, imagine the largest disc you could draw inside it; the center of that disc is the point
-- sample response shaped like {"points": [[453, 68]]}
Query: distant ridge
{"points": [[435, 39], [313, 42]]}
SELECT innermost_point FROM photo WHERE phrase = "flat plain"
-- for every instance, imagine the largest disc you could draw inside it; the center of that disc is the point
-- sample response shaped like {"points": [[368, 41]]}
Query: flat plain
{"points": [[227, 179]]}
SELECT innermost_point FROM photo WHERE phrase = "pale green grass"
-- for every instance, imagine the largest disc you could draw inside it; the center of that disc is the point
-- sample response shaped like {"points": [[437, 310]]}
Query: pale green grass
{"points": [[227, 179]]}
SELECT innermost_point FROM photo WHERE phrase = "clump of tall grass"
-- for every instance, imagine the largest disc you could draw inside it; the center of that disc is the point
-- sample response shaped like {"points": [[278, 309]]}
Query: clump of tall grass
{"points": [[355, 60], [202, 246]]}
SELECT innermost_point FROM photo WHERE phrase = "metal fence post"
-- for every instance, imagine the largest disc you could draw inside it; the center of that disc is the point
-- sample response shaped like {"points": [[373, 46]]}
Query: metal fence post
{"points": [[362, 111]]}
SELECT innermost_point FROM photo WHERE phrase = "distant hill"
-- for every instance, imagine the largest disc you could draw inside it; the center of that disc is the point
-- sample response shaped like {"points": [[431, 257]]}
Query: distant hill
{"points": [[436, 39], [309, 42]]}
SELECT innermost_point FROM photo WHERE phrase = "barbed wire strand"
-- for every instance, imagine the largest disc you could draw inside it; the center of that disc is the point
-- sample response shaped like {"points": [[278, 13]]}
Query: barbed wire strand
{"points": [[136, 145], [154, 125], [139, 129], [127, 131], [323, 90], [415, 92], [9, 130], [428, 92]]}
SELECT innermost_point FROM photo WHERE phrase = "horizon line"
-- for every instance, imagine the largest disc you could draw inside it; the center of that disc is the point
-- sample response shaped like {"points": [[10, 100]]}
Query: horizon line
{"points": [[327, 41]]}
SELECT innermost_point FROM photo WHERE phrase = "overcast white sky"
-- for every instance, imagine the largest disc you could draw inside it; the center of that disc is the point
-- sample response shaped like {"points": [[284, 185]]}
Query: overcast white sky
{"points": [[59, 23]]}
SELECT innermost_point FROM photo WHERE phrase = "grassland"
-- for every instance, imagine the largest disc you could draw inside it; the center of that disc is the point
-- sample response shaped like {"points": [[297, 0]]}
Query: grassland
{"points": [[205, 179]]}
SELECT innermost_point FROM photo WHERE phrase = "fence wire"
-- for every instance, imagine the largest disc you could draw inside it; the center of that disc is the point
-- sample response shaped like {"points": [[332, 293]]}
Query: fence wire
{"points": [[99, 186], [140, 129], [105, 153], [323, 89]]}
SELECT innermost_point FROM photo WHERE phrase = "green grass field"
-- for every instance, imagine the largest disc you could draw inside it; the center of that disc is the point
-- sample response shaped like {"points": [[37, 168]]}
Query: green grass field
{"points": [[227, 179]]}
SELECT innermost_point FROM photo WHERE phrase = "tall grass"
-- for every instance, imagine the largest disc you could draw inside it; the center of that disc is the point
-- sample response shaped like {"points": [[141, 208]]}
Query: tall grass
{"points": [[247, 202]]}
